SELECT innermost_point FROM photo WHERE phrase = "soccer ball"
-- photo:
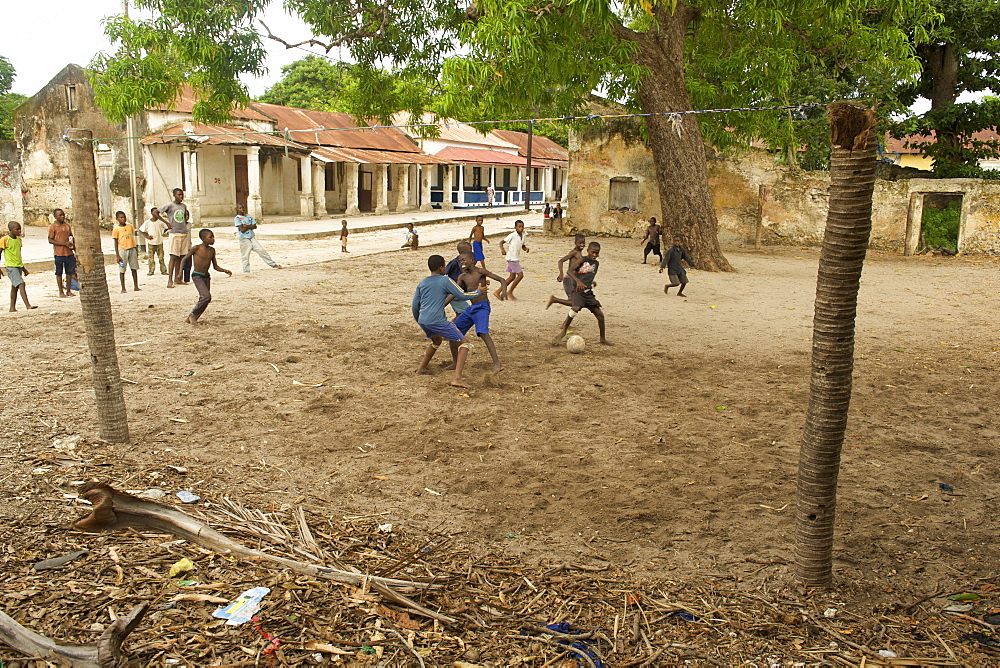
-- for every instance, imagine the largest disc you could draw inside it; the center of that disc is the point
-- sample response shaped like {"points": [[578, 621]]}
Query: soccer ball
{"points": [[575, 344]]}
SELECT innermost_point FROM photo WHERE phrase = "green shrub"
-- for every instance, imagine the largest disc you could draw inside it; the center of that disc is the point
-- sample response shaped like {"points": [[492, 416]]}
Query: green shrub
{"points": [[940, 226]]}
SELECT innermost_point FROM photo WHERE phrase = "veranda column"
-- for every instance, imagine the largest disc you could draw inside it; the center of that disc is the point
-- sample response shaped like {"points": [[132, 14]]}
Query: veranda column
{"points": [[319, 188], [351, 188], [193, 195], [521, 184], [548, 189], [382, 183], [446, 188], [255, 203], [306, 197], [426, 171], [461, 185], [403, 194]]}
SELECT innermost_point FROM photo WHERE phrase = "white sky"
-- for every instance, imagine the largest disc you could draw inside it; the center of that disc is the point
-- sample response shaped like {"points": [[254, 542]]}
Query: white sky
{"points": [[43, 36]]}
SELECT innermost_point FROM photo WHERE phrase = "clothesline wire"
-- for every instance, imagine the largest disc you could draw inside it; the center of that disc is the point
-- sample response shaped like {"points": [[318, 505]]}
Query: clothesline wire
{"points": [[675, 117]]}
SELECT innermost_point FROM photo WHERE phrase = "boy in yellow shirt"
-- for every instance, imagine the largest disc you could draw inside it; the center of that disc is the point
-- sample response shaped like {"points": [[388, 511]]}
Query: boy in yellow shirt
{"points": [[126, 249], [10, 246]]}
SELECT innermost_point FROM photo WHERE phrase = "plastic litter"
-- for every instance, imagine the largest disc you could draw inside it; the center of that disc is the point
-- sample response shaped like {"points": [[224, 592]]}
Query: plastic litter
{"points": [[56, 562], [946, 487], [960, 607], [243, 608], [830, 613], [152, 494], [182, 566], [887, 654], [188, 497]]}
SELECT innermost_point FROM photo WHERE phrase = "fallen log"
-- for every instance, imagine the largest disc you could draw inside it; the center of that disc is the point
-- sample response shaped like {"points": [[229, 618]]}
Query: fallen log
{"points": [[117, 510], [107, 651]]}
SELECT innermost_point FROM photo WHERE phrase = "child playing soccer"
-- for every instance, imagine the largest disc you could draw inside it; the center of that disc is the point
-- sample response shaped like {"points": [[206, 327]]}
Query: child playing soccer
{"points": [[203, 257], [652, 240], [583, 277], [477, 236], [343, 236], [478, 312], [10, 247], [569, 286], [675, 271], [126, 249], [515, 244], [428, 311]]}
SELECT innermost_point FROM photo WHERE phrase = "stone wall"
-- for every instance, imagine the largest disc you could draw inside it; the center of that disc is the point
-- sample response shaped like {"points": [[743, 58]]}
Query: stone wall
{"points": [[10, 185]]}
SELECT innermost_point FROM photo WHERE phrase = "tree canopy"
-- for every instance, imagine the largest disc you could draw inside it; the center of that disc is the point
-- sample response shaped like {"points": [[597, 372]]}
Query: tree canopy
{"points": [[961, 55], [8, 100]]}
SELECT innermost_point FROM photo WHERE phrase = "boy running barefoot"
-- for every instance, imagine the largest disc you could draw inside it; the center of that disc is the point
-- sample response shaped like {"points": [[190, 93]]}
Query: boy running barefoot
{"points": [[478, 312], [428, 311], [515, 244], [126, 249], [652, 239], [203, 257], [10, 247], [476, 237], [569, 286], [675, 271], [583, 277]]}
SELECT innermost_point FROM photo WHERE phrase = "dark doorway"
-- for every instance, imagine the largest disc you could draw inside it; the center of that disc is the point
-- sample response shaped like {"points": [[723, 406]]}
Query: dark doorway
{"points": [[242, 177], [365, 191], [941, 221]]}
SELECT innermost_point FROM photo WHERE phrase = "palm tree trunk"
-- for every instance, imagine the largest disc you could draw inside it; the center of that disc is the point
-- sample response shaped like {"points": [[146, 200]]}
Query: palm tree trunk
{"points": [[845, 242], [94, 298]]}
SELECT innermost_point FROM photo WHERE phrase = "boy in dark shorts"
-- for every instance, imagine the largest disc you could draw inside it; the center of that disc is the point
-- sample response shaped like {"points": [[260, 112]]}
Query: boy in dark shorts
{"points": [[477, 313], [675, 271], [202, 257], [583, 277], [61, 238], [652, 240], [477, 236], [573, 257], [343, 236], [428, 311]]}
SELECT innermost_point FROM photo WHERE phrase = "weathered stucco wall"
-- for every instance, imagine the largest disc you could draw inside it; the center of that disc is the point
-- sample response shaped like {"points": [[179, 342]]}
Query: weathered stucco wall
{"points": [[10, 185], [794, 206]]}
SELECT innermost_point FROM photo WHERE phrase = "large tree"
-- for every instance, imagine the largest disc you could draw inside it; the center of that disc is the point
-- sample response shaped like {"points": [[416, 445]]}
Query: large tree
{"points": [[8, 100], [961, 55], [508, 59]]}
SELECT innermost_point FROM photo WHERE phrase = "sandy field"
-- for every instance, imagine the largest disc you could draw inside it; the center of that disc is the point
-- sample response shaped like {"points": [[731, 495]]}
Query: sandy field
{"points": [[667, 460]]}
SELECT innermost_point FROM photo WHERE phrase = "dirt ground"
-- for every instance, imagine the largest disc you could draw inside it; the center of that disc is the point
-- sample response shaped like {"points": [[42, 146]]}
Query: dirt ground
{"points": [[669, 458]]}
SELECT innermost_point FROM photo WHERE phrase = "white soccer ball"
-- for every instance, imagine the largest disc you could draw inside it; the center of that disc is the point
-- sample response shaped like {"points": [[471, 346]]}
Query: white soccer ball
{"points": [[575, 344]]}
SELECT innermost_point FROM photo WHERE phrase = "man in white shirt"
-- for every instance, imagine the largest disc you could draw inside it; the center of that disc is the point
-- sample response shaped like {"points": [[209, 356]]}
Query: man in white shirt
{"points": [[514, 245]]}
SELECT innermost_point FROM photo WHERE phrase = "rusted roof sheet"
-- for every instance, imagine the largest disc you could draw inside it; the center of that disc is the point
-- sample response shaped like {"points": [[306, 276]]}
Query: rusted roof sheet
{"points": [[311, 127], [483, 156], [186, 99], [542, 147], [903, 145], [451, 130], [218, 135], [369, 156]]}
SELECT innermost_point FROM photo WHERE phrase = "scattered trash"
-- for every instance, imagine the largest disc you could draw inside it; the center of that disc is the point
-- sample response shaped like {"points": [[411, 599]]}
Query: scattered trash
{"points": [[152, 494], [961, 607], [182, 566], [946, 487], [66, 443], [887, 654], [243, 608], [186, 583], [966, 596], [581, 647], [187, 497], [428, 489], [686, 616], [56, 562], [273, 642], [177, 469], [385, 528], [830, 613], [199, 598]]}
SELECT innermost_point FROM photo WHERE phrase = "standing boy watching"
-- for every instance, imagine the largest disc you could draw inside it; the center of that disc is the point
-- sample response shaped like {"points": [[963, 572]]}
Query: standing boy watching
{"points": [[61, 238], [652, 240], [203, 257], [126, 250], [10, 247], [428, 311], [515, 244], [245, 226], [675, 271], [477, 236], [583, 277], [343, 237], [153, 230], [177, 217]]}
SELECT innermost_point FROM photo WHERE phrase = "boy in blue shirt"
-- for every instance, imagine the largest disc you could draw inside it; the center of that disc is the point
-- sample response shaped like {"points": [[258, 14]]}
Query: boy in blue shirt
{"points": [[428, 311], [245, 226]]}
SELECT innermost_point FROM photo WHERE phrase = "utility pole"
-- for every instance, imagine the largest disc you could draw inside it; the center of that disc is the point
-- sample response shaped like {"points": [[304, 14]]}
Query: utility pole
{"points": [[527, 170], [133, 160]]}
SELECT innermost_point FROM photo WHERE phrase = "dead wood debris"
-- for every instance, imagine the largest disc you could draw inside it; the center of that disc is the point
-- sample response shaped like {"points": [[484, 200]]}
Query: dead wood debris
{"points": [[501, 607]]}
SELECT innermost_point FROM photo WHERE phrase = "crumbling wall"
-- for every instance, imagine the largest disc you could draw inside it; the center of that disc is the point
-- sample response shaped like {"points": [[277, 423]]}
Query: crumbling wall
{"points": [[10, 184]]}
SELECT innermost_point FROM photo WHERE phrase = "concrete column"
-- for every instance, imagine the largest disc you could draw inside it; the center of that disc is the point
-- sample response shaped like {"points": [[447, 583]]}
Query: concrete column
{"points": [[193, 195], [460, 169], [914, 214], [381, 188], [403, 189], [306, 196], [446, 187], [351, 188], [255, 206], [426, 171], [319, 189], [521, 183], [548, 189]]}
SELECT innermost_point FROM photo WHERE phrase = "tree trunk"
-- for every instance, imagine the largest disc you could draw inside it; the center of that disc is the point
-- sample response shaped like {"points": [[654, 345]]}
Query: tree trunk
{"points": [[845, 242], [942, 69], [677, 145], [94, 298]]}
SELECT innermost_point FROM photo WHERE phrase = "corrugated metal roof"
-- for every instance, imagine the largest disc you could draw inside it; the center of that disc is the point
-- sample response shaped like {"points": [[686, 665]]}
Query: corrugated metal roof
{"points": [[903, 145], [369, 156], [451, 130], [218, 135], [483, 156], [186, 99], [542, 147], [306, 127]]}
